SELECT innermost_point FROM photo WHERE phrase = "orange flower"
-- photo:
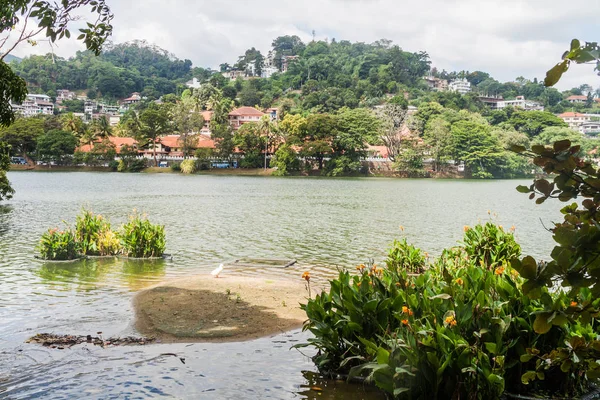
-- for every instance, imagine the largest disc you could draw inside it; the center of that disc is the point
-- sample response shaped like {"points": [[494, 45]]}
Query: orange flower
{"points": [[499, 270], [53, 231], [450, 320], [573, 304], [459, 281], [501, 228], [401, 228], [360, 267], [398, 284], [466, 228], [406, 310], [306, 276], [405, 322], [512, 228]]}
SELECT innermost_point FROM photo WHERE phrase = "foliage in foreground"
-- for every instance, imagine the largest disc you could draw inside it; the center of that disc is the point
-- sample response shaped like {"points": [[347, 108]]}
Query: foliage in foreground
{"points": [[142, 239], [6, 191], [460, 329]]}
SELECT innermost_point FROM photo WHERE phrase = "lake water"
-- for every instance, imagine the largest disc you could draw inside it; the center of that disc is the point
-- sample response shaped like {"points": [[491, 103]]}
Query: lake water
{"points": [[323, 223]]}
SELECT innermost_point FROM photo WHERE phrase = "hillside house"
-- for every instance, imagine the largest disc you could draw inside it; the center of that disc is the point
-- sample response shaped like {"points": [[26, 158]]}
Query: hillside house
{"points": [[461, 86], [34, 104], [577, 99], [242, 115], [128, 102], [575, 119]]}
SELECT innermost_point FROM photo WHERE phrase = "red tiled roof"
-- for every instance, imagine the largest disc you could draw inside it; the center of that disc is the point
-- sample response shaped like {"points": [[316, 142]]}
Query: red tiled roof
{"points": [[204, 143], [207, 115], [170, 141], [247, 111], [118, 142], [577, 97], [570, 114]]}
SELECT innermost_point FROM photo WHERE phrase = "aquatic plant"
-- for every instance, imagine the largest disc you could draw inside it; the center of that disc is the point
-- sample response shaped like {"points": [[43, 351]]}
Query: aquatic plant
{"points": [[108, 243], [88, 229], [59, 245], [188, 166], [460, 327], [142, 239]]}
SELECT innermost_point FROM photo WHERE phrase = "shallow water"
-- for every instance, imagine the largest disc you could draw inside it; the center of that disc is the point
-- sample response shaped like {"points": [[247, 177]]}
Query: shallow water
{"points": [[323, 223]]}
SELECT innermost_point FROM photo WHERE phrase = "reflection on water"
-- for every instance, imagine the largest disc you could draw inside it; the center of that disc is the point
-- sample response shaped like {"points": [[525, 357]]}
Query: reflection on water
{"points": [[321, 223]]}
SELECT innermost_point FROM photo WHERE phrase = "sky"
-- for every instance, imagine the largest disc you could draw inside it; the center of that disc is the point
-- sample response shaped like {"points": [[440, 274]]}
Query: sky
{"points": [[507, 38]]}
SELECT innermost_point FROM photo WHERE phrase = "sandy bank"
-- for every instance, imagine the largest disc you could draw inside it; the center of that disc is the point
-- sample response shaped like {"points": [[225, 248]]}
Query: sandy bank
{"points": [[229, 308]]}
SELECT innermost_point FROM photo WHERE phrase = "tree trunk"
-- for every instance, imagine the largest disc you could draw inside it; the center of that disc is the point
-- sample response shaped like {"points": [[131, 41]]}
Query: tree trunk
{"points": [[154, 153]]}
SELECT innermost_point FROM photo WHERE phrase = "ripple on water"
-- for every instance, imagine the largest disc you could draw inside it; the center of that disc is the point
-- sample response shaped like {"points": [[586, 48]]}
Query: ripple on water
{"points": [[324, 224]]}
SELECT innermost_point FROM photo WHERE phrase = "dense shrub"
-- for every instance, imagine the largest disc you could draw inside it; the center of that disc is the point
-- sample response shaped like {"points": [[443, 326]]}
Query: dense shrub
{"points": [[176, 167], [88, 228], [460, 329], [188, 166], [142, 239], [58, 245]]}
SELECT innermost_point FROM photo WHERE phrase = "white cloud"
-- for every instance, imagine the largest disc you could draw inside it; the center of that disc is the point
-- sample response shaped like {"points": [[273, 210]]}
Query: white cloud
{"points": [[507, 39]]}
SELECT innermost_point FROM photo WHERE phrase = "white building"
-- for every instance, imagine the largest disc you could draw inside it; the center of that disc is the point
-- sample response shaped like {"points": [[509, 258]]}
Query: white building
{"points": [[590, 128], [461, 86], [108, 109], [267, 72], [520, 102], [65, 94], [575, 119], [35, 104], [90, 106], [193, 84]]}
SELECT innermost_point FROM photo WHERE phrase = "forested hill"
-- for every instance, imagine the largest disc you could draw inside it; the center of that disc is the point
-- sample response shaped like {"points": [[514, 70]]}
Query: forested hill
{"points": [[116, 73], [320, 76]]}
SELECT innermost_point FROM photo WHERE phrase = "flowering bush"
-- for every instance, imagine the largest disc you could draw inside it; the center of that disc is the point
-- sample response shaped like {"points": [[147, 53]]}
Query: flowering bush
{"points": [[460, 329], [58, 245]]}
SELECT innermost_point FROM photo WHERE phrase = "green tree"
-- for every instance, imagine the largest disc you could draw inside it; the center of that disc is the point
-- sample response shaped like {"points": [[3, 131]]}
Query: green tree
{"points": [[439, 140], [393, 119], [318, 136], [56, 146], [250, 141], [53, 19], [476, 147], [533, 123], [187, 123], [6, 191], [22, 135], [285, 160], [154, 122]]}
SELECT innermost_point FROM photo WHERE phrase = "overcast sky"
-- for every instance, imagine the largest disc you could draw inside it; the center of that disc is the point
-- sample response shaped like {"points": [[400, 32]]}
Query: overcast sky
{"points": [[507, 38]]}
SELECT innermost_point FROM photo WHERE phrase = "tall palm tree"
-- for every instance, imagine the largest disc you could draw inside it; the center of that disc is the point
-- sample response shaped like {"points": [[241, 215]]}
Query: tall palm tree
{"points": [[265, 127]]}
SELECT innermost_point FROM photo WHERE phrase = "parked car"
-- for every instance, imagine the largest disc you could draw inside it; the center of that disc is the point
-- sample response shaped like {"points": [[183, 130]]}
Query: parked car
{"points": [[18, 160]]}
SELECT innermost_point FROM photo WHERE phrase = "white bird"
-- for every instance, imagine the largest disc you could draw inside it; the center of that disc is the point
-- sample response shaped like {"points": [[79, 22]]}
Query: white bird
{"points": [[217, 271]]}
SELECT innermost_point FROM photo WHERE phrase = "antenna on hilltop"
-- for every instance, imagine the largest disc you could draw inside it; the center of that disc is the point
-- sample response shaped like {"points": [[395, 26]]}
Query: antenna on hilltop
{"points": [[314, 34]]}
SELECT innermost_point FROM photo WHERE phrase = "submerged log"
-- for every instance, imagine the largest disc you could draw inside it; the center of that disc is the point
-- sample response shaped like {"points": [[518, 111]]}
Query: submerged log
{"points": [[60, 341]]}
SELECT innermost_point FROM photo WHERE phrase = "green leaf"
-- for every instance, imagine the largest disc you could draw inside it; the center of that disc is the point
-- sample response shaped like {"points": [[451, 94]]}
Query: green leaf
{"points": [[527, 268], [523, 189], [575, 44], [443, 296], [383, 356], [555, 73], [526, 357], [528, 377], [561, 145], [491, 347], [541, 324]]}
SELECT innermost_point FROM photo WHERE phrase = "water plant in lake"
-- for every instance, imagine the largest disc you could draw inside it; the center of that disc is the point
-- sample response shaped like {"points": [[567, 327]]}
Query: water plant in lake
{"points": [[58, 245], [93, 235], [462, 328], [142, 239]]}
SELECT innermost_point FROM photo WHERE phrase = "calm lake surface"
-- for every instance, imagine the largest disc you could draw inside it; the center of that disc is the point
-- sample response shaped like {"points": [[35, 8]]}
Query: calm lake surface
{"points": [[323, 223]]}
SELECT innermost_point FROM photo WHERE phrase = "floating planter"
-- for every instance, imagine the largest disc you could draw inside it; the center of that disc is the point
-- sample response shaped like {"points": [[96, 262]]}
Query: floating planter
{"points": [[93, 237]]}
